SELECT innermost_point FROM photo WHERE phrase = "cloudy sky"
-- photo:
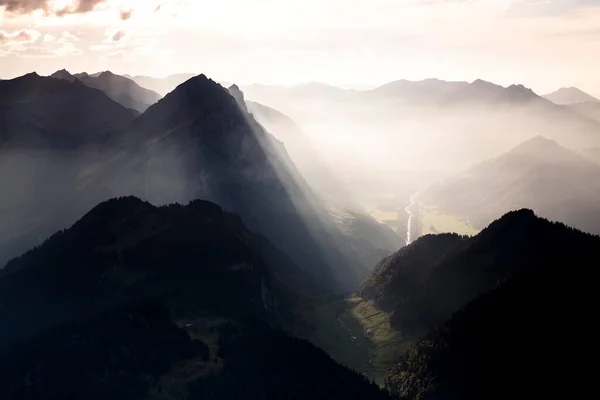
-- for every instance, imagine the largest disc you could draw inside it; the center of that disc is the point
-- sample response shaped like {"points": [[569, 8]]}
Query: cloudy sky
{"points": [[543, 44]]}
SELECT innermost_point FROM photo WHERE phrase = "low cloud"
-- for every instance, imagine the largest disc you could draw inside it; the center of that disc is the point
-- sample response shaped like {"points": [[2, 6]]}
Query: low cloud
{"points": [[535, 8], [118, 36], [68, 37], [28, 6], [126, 14], [19, 37]]}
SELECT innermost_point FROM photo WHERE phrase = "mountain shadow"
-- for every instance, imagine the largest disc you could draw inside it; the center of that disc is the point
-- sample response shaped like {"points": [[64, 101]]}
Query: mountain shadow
{"points": [[524, 339]]}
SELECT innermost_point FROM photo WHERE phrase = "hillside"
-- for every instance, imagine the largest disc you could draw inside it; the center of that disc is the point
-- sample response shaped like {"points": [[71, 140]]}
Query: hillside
{"points": [[426, 282], [40, 112], [521, 340], [134, 300], [119, 88], [570, 96], [538, 174]]}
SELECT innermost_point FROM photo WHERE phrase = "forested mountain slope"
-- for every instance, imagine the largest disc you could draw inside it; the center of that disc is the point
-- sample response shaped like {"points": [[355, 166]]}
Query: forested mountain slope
{"points": [[524, 339], [426, 282], [140, 302]]}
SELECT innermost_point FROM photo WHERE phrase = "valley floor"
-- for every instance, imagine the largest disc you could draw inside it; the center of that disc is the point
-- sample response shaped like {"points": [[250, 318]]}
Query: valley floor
{"points": [[357, 334], [435, 221]]}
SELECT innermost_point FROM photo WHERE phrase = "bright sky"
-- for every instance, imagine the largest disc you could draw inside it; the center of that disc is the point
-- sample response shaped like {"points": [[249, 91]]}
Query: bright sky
{"points": [[544, 44]]}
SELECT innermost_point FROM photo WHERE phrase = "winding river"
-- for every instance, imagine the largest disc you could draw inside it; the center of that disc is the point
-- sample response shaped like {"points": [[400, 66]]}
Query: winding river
{"points": [[410, 218]]}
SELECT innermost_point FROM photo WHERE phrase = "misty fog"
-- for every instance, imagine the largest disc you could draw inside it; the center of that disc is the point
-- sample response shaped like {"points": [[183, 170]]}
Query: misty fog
{"points": [[363, 153]]}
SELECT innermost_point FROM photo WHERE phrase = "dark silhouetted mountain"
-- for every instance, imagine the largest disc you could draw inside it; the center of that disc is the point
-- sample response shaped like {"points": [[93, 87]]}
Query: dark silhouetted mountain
{"points": [[426, 282], [269, 365], [131, 250], [523, 339], [51, 113], [538, 174], [569, 96], [119, 354], [133, 295], [66, 75], [119, 88]]}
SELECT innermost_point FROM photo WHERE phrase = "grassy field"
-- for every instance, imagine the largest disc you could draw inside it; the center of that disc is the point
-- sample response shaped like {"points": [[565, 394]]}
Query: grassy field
{"points": [[342, 330], [435, 221]]}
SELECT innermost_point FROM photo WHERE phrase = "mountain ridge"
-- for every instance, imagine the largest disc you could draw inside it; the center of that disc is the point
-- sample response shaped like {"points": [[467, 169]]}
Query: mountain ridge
{"points": [[123, 90], [570, 96]]}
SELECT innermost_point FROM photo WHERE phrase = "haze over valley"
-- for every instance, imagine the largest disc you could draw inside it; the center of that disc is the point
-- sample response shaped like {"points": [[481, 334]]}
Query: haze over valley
{"points": [[215, 209]]}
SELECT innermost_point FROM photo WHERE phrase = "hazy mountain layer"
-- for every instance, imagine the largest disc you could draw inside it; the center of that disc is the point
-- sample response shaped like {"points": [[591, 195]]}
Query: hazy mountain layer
{"points": [[537, 174], [570, 96], [426, 125]]}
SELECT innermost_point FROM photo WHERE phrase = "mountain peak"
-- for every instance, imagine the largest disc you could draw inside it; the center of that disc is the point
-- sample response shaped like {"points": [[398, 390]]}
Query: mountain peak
{"points": [[481, 82], [63, 74], [195, 98], [543, 149], [238, 95], [107, 74], [570, 95], [537, 145]]}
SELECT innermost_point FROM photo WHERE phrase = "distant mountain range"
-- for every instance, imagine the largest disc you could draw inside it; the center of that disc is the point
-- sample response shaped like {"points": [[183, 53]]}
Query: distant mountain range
{"points": [[538, 174], [570, 96], [121, 89], [494, 305], [473, 120]]}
